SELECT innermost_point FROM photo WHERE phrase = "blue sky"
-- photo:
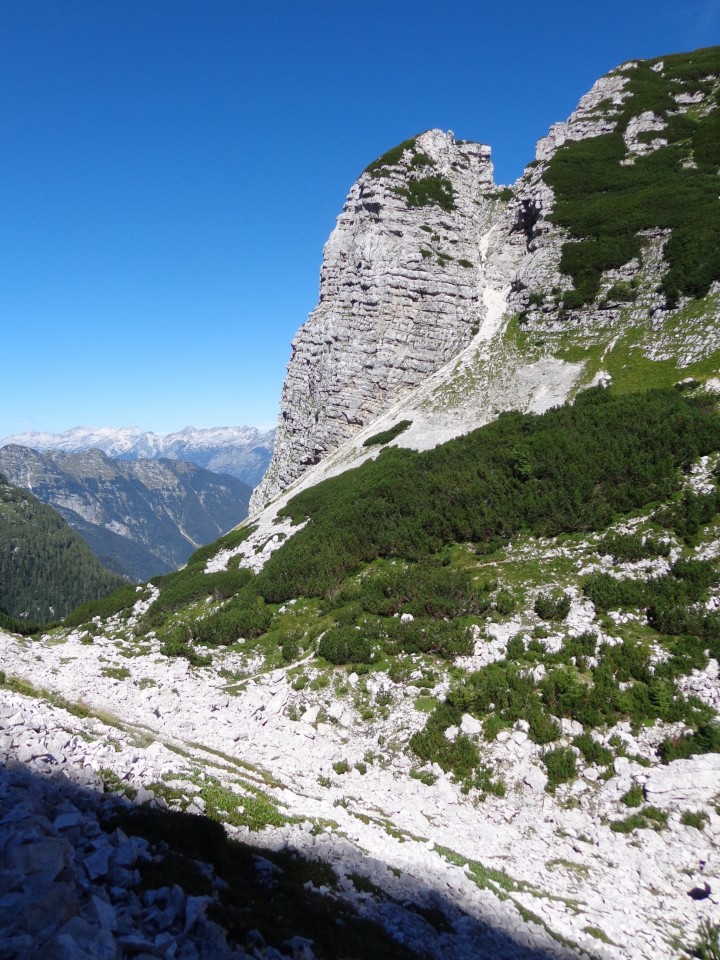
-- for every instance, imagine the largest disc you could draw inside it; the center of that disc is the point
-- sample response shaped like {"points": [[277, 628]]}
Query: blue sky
{"points": [[170, 170]]}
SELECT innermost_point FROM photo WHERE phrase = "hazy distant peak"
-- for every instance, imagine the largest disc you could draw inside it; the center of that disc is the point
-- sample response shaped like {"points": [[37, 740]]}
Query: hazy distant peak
{"points": [[242, 452]]}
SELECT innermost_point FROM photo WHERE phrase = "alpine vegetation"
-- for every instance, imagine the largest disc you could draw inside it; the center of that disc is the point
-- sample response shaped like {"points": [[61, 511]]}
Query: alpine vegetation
{"points": [[452, 690]]}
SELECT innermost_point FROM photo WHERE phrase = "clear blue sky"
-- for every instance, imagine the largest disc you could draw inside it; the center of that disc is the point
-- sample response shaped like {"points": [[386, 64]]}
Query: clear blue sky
{"points": [[170, 170]]}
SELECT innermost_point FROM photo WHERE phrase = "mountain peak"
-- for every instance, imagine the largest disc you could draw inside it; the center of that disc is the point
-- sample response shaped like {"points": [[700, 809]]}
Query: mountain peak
{"points": [[242, 452], [444, 300]]}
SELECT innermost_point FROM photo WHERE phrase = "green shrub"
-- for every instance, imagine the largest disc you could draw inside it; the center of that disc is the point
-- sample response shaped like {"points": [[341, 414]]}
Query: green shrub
{"points": [[345, 645], [390, 159], [434, 190], [631, 547], [581, 646], [176, 644], [505, 603], [634, 796], [190, 585], [421, 160], [387, 435], [593, 751], [123, 598], [425, 589], [245, 616], [561, 767], [706, 739], [25, 628], [446, 640], [290, 648], [515, 649], [430, 744], [697, 819], [707, 946], [424, 776], [688, 515], [552, 609], [649, 818], [611, 593], [696, 576]]}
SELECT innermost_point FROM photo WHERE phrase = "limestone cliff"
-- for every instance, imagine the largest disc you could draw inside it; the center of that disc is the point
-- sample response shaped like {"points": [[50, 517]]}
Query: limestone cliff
{"points": [[400, 294], [445, 301]]}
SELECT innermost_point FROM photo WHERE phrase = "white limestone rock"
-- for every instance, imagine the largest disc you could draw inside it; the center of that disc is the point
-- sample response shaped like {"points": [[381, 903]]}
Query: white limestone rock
{"points": [[683, 783], [399, 296]]}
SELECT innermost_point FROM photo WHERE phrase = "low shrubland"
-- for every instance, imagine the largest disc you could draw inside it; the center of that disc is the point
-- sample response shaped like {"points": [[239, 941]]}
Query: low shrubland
{"points": [[122, 599], [571, 469], [605, 204], [376, 582], [386, 436], [623, 684]]}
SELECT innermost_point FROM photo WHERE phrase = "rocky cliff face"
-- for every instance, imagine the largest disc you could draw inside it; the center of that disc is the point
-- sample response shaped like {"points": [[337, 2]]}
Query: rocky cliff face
{"points": [[400, 294], [444, 301], [141, 518]]}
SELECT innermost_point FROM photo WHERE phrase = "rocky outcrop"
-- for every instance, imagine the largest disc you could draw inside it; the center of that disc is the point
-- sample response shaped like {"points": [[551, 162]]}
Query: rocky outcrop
{"points": [[400, 294]]}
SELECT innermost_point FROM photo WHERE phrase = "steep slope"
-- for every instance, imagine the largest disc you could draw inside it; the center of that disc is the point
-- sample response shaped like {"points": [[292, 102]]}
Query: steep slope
{"points": [[141, 517], [598, 265], [46, 569], [241, 452]]}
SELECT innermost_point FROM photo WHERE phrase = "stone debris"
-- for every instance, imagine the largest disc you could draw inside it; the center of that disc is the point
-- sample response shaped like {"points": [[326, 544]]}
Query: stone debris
{"points": [[517, 835], [70, 888]]}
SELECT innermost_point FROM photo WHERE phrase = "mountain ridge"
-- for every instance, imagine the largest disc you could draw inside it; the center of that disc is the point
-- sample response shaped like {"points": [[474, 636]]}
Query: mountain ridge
{"points": [[142, 517], [531, 336], [242, 452]]}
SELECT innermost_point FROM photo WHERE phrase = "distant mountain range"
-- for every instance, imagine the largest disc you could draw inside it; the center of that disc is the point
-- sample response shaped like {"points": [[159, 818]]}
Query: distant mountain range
{"points": [[241, 452], [140, 518]]}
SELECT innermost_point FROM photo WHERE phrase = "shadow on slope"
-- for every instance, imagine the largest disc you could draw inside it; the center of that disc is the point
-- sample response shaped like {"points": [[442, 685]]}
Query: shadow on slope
{"points": [[259, 896]]}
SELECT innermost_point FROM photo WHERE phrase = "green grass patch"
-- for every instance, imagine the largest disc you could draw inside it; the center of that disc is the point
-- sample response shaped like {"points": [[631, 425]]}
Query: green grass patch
{"points": [[649, 818], [429, 191]]}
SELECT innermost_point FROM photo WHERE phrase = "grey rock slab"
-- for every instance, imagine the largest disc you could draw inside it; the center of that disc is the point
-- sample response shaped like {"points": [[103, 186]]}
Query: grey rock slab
{"points": [[695, 780], [98, 863], [104, 913], [195, 910], [46, 856], [535, 779]]}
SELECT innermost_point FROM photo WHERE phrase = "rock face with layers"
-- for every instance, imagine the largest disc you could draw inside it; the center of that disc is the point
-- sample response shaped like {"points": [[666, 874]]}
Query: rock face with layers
{"points": [[428, 265], [400, 294]]}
